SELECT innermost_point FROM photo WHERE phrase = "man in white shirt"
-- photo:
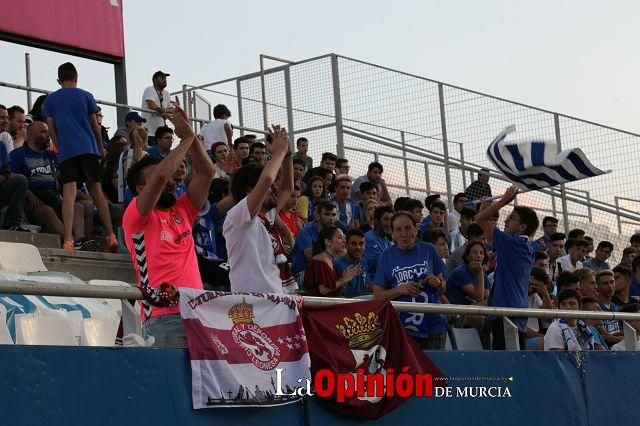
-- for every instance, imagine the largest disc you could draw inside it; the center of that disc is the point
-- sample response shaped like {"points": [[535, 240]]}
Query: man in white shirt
{"points": [[218, 130], [5, 137], [255, 253], [568, 334], [459, 202], [156, 98], [573, 261]]}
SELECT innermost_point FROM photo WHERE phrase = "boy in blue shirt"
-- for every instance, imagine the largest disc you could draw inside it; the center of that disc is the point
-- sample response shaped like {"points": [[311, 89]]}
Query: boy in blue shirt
{"points": [[516, 254], [73, 124]]}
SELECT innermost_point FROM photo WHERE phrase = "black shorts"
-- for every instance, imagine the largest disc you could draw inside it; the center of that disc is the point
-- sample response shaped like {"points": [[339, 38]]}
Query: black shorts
{"points": [[83, 168]]}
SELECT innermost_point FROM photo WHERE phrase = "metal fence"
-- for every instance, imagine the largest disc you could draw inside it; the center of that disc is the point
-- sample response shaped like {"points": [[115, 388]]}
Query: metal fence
{"points": [[431, 137]]}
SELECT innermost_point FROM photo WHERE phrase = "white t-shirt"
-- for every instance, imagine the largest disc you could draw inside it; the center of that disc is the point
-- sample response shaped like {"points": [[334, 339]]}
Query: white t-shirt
{"points": [[7, 140], [535, 302], [154, 120], [214, 132], [454, 220], [566, 265], [251, 258], [554, 339]]}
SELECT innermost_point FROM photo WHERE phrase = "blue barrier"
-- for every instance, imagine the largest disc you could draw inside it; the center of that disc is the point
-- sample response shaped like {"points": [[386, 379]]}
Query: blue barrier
{"points": [[103, 386]]}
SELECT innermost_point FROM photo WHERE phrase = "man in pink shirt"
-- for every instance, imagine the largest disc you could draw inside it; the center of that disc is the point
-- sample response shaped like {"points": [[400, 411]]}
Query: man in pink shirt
{"points": [[157, 227]]}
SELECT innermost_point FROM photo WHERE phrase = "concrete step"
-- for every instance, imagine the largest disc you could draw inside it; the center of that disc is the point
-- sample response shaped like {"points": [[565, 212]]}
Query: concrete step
{"points": [[88, 266], [39, 240]]}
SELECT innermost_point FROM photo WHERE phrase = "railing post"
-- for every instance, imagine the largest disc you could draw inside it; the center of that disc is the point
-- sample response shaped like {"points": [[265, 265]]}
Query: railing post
{"points": [[265, 117], [617, 203], [563, 192], [287, 88], [337, 104], [240, 116], [120, 77], [27, 68], [376, 157], [404, 161], [185, 98], [511, 341], [464, 171], [589, 213], [553, 204], [445, 144], [427, 178]]}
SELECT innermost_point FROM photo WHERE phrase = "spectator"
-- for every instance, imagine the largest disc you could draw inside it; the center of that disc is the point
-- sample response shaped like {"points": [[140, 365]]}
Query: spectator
{"points": [[474, 233], [180, 179], [413, 206], [606, 288], [349, 213], [378, 239], [320, 277], [541, 260], [516, 255], [634, 288], [622, 278], [302, 147], [436, 218], [328, 161], [360, 283], [632, 308], [35, 114], [401, 204], [430, 199], [288, 213], [155, 210], [37, 163], [132, 120], [439, 239], [374, 175], [538, 298], [599, 262], [220, 156], [218, 130], [163, 142], [479, 188], [342, 166], [258, 150], [459, 203], [555, 252], [635, 241], [241, 149], [299, 168], [589, 248], [595, 326], [310, 198], [576, 234], [587, 279], [17, 126], [567, 281], [109, 167], [5, 137], [368, 209], [549, 227], [303, 248], [256, 253], [156, 98], [573, 260], [368, 191], [73, 125], [628, 254], [411, 271], [568, 334], [128, 158], [328, 177], [459, 236], [104, 131]]}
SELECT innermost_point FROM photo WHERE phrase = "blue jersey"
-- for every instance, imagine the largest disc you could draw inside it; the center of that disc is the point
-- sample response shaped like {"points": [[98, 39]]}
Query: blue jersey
{"points": [[348, 212], [359, 283], [460, 277], [397, 267], [374, 245], [38, 167], [305, 240]]}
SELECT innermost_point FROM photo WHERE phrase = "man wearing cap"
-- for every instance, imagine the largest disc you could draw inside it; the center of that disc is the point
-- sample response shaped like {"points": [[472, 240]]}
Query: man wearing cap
{"points": [[156, 98], [132, 120]]}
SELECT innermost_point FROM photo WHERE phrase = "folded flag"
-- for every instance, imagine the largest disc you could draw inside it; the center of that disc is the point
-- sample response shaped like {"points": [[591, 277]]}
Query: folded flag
{"points": [[237, 341], [536, 164], [365, 340]]}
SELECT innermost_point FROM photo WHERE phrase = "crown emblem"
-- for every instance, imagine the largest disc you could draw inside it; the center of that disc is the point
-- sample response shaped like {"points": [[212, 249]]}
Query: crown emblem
{"points": [[241, 313], [360, 331]]}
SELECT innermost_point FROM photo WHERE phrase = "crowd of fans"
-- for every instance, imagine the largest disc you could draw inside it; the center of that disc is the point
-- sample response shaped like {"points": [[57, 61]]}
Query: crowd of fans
{"points": [[272, 222]]}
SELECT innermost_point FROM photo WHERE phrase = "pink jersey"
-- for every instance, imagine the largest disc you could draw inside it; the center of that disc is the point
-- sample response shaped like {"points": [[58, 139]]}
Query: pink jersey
{"points": [[170, 253]]}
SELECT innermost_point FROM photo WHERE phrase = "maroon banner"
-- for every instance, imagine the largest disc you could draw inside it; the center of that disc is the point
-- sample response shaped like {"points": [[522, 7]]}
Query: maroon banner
{"points": [[86, 25], [366, 341]]}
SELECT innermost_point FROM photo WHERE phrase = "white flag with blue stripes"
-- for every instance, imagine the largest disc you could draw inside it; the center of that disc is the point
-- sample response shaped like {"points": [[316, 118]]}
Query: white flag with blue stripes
{"points": [[536, 164]]}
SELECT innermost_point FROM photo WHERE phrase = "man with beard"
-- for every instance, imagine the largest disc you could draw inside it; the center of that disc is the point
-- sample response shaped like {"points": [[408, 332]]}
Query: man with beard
{"points": [[378, 239], [256, 254], [156, 98], [361, 283], [161, 223]]}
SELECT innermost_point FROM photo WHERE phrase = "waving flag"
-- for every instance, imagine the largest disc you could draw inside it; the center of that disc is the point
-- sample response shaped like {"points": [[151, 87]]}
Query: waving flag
{"points": [[536, 164]]}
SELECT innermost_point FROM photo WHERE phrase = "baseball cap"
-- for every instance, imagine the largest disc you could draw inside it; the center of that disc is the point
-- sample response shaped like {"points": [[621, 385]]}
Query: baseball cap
{"points": [[160, 74], [134, 116]]}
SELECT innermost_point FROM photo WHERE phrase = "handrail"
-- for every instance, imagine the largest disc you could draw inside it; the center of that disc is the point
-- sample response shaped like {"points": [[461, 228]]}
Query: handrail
{"points": [[133, 293]]}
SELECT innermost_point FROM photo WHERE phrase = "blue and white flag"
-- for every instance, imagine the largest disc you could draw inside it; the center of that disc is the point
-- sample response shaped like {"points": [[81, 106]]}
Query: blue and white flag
{"points": [[536, 164]]}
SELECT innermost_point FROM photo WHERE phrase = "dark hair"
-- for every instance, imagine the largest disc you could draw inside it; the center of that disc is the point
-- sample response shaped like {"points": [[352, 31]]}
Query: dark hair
{"points": [[432, 236], [569, 294], [398, 215], [549, 219], [556, 236], [635, 238], [629, 250], [135, 175], [631, 308], [218, 189], [329, 156], [325, 205], [588, 239], [326, 234], [374, 165], [12, 111], [541, 255], [539, 274], [575, 243], [367, 186], [438, 205], [400, 203], [250, 137], [268, 139], [160, 131], [300, 162], [430, 199], [474, 230], [249, 160], [309, 193], [468, 212], [355, 233], [255, 145], [588, 301], [301, 140], [576, 233], [605, 244], [220, 110], [459, 195], [2, 106], [245, 178], [635, 264], [467, 251], [381, 211], [565, 279], [36, 109], [241, 140], [67, 72], [529, 218], [623, 271], [340, 162], [412, 204]]}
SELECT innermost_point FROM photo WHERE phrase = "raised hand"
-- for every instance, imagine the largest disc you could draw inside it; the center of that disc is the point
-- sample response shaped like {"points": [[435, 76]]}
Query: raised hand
{"points": [[509, 195], [180, 121], [351, 273], [280, 143]]}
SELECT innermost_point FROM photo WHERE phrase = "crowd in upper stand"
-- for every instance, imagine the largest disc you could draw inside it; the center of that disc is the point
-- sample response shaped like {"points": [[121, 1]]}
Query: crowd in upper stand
{"points": [[333, 233]]}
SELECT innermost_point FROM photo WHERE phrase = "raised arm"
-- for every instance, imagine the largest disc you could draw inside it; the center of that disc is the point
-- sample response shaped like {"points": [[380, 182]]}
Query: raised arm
{"points": [[486, 211], [286, 181]]}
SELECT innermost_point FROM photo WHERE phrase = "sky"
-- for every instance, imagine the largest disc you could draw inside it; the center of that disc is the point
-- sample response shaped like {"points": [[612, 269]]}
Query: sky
{"points": [[574, 57]]}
